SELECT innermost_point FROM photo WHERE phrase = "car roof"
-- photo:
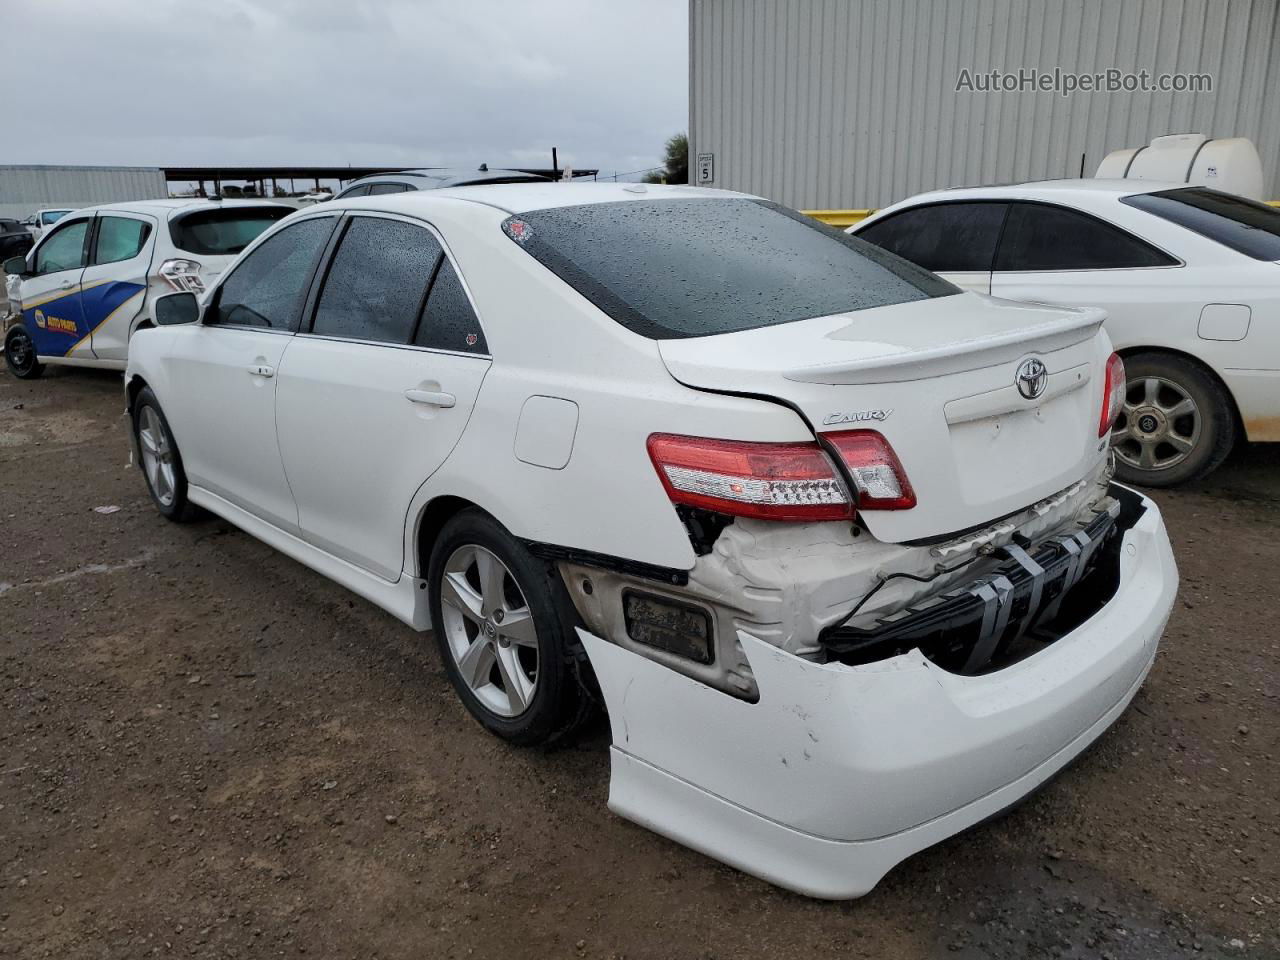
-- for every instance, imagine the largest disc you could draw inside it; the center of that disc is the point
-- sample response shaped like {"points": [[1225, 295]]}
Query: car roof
{"points": [[1060, 189], [523, 197], [169, 208], [449, 176]]}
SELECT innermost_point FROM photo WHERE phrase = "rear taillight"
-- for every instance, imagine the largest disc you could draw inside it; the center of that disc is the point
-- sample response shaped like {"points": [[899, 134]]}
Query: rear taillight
{"points": [[1113, 394], [782, 481], [876, 471], [182, 275], [769, 481]]}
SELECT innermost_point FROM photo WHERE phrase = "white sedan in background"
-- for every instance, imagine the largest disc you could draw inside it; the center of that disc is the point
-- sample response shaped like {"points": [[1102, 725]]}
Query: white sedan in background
{"points": [[1188, 276], [89, 283], [834, 541]]}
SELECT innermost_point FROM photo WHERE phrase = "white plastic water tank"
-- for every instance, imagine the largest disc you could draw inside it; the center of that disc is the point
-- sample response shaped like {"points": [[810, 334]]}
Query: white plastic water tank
{"points": [[1231, 164]]}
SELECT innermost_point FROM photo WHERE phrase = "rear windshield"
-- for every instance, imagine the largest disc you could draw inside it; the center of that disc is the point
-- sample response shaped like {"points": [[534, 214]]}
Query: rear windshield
{"points": [[216, 232], [669, 269], [1245, 226]]}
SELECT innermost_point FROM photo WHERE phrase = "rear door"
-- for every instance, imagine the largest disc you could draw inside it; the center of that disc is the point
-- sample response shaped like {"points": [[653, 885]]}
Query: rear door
{"points": [[375, 394], [1053, 254], [223, 410], [956, 240], [115, 281], [51, 306]]}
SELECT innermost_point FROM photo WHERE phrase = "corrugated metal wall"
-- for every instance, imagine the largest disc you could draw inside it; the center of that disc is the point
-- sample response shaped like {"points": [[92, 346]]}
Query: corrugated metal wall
{"points": [[853, 103], [25, 189]]}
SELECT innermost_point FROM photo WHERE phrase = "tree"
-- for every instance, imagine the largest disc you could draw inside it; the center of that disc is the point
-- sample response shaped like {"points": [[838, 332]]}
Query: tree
{"points": [[675, 163]]}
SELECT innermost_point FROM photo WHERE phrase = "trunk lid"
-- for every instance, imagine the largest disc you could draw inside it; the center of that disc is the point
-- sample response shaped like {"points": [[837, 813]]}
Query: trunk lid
{"points": [[938, 378]]}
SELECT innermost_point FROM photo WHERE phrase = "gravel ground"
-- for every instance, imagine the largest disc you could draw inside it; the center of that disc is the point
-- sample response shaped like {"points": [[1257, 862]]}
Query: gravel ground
{"points": [[207, 750]]}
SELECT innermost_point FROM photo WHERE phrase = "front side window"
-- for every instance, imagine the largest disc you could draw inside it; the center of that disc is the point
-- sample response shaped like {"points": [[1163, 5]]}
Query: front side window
{"points": [[63, 249], [943, 237], [376, 283], [120, 238], [266, 289], [1245, 226], [214, 233], [1042, 237], [669, 269]]}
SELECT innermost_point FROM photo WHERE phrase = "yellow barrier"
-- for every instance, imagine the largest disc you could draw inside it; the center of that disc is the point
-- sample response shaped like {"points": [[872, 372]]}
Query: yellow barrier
{"points": [[839, 218]]}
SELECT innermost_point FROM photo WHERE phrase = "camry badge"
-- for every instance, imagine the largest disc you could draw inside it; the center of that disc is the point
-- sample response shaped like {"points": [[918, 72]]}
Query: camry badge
{"points": [[1031, 379], [857, 416]]}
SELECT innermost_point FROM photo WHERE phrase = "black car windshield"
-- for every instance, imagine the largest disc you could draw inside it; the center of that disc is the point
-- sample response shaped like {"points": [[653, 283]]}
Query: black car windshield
{"points": [[224, 231], [693, 267], [1245, 226]]}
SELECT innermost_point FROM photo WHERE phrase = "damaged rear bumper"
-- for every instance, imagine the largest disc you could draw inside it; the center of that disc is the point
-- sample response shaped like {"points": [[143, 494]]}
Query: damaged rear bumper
{"points": [[839, 771]]}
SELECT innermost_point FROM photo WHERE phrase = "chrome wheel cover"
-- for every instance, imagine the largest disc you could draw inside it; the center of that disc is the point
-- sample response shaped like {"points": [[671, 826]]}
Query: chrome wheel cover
{"points": [[157, 456], [1159, 425], [489, 630]]}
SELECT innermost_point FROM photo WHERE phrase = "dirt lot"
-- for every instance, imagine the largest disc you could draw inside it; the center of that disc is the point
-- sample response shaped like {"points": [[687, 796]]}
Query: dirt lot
{"points": [[207, 750]]}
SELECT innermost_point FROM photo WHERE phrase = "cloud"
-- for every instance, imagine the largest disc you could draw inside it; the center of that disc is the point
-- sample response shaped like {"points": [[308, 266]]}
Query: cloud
{"points": [[414, 82]]}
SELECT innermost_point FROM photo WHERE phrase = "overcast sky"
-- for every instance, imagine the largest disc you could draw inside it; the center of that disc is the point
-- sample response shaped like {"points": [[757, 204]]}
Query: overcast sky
{"points": [[413, 82]]}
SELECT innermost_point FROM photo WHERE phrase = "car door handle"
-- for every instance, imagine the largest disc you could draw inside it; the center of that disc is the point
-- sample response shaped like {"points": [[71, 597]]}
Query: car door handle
{"points": [[67, 285], [433, 398], [262, 370]]}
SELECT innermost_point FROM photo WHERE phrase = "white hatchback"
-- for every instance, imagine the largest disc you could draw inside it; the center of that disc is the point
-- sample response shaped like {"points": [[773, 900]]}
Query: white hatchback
{"points": [[80, 293], [833, 542], [1188, 277]]}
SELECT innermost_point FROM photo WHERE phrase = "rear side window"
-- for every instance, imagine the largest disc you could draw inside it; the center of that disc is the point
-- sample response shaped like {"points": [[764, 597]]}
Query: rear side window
{"points": [[669, 269], [377, 189], [120, 238], [360, 191], [63, 249], [1245, 226], [222, 232], [1041, 236], [944, 237], [377, 282], [449, 323], [267, 287]]}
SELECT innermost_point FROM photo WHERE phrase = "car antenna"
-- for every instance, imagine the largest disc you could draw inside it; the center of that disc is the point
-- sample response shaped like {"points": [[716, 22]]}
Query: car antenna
{"points": [[484, 168]]}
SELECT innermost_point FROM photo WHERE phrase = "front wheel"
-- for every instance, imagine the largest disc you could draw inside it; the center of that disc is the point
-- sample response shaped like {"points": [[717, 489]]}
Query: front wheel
{"points": [[1177, 423], [160, 460], [20, 354], [505, 628]]}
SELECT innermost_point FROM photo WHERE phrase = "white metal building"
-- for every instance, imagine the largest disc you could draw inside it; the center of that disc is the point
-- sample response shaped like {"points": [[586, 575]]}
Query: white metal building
{"points": [[25, 189], [829, 104]]}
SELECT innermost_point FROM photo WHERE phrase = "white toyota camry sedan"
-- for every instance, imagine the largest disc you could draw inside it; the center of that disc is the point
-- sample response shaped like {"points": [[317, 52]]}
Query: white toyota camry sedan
{"points": [[1188, 276], [834, 543]]}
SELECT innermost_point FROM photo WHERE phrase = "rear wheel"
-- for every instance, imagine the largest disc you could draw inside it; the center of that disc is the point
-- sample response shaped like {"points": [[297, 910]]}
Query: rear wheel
{"points": [[505, 628], [1176, 423], [20, 354]]}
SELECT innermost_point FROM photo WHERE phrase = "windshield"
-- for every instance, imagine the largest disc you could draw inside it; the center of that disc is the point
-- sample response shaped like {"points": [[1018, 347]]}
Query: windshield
{"points": [[225, 231], [1245, 226], [52, 216], [668, 269]]}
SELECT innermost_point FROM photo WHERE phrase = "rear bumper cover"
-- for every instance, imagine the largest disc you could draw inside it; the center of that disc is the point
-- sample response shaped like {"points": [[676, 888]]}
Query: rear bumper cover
{"points": [[840, 772]]}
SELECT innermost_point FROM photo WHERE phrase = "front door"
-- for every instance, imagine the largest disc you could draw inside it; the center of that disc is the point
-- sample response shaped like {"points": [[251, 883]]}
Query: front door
{"points": [[225, 370], [51, 307], [115, 281], [373, 397]]}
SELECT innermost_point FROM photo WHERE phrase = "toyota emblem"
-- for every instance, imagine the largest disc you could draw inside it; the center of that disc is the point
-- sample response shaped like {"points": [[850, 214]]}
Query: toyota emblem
{"points": [[1031, 379]]}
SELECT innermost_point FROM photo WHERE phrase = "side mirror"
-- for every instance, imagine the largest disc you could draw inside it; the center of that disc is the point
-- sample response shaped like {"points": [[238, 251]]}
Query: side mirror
{"points": [[175, 308], [17, 266]]}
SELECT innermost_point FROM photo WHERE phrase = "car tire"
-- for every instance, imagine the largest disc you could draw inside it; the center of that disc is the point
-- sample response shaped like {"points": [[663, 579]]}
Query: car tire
{"points": [[20, 353], [160, 460], [1177, 424], [525, 685]]}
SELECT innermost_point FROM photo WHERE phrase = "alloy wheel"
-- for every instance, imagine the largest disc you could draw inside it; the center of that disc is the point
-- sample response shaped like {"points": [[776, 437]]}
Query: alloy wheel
{"points": [[157, 456], [489, 630], [1159, 425]]}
